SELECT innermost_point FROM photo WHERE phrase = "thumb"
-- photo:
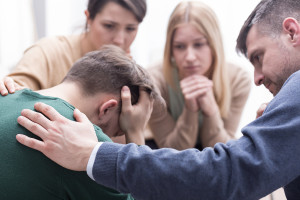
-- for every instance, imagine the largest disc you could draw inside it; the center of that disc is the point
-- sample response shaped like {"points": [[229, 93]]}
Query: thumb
{"points": [[79, 116]]}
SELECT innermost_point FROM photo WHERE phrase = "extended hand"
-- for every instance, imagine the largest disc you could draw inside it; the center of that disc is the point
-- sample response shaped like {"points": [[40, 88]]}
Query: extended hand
{"points": [[68, 143]]}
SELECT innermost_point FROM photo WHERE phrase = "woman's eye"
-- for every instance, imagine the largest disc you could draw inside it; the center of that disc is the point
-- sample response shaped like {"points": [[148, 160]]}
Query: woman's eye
{"points": [[178, 46], [130, 29], [200, 44], [109, 26]]}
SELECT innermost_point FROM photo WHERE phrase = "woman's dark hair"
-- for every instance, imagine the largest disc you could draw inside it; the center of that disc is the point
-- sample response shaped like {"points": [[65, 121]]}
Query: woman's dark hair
{"points": [[137, 7]]}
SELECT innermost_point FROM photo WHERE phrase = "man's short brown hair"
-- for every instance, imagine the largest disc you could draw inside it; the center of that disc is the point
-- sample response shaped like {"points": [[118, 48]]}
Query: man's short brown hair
{"points": [[107, 71], [268, 15]]}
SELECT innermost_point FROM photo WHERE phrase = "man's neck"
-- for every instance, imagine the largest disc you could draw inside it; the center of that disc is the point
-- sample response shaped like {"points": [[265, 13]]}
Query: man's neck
{"points": [[72, 94]]}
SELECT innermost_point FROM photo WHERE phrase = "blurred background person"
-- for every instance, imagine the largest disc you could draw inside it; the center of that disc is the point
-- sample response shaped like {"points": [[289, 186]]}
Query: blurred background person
{"points": [[205, 95], [44, 64]]}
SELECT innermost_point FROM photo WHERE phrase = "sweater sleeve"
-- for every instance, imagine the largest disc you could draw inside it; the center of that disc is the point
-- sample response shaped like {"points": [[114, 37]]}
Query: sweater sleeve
{"points": [[217, 129], [264, 159]]}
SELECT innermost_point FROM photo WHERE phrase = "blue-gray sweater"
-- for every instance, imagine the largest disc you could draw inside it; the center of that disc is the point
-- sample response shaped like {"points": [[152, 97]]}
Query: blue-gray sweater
{"points": [[265, 158]]}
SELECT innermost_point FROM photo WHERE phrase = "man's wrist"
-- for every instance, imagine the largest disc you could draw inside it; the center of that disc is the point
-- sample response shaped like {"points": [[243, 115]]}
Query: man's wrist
{"points": [[91, 161], [136, 137]]}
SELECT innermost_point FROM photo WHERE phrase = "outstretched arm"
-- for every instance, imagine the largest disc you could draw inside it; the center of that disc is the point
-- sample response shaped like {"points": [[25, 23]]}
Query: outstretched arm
{"points": [[70, 143], [265, 159]]}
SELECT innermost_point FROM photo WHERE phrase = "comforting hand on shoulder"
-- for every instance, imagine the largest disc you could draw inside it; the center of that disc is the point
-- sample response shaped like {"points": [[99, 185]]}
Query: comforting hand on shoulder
{"points": [[68, 143], [8, 85]]}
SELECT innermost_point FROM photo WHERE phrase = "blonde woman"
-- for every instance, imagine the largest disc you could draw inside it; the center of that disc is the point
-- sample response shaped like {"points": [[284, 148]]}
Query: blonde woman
{"points": [[205, 95]]}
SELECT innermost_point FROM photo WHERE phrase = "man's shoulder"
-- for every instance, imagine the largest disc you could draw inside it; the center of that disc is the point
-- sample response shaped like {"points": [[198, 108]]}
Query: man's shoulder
{"points": [[102, 137], [288, 97], [291, 83], [294, 77], [26, 98], [29, 98]]}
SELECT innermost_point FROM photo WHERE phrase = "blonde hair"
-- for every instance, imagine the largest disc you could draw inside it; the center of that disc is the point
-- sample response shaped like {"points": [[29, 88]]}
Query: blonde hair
{"points": [[204, 19]]}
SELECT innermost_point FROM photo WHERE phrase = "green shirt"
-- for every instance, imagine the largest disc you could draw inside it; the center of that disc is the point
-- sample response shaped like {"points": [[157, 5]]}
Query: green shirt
{"points": [[28, 174]]}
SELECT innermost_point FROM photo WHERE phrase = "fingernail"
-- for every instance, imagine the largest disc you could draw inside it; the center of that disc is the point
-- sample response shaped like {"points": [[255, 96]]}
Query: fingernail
{"points": [[38, 104], [125, 89], [11, 91]]}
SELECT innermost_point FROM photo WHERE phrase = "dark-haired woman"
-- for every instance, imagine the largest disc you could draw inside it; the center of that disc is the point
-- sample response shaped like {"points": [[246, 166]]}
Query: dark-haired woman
{"points": [[44, 64]]}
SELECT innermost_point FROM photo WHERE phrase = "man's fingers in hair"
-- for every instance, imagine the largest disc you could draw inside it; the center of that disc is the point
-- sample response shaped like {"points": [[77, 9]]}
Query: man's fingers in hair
{"points": [[145, 98], [126, 98]]}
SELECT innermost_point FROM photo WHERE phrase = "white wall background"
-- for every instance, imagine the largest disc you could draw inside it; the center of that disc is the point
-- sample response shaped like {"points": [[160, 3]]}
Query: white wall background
{"points": [[17, 32], [15, 35]]}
